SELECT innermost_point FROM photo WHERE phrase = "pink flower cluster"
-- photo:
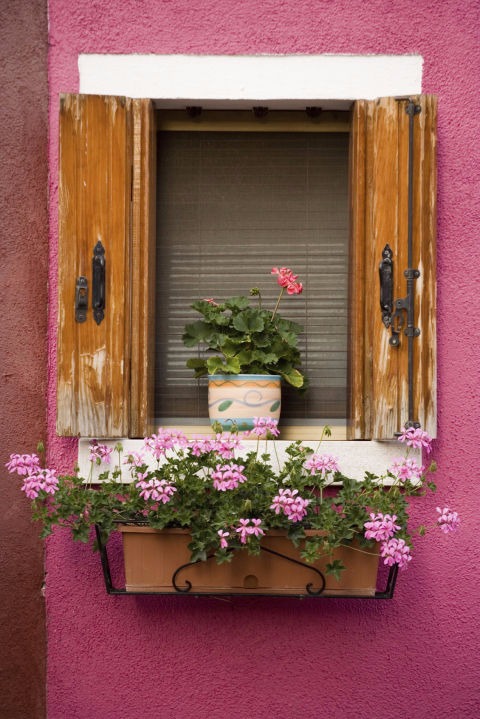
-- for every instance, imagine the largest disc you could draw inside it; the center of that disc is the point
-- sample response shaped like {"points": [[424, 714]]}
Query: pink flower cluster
{"points": [[382, 527], [322, 463], [35, 479], [293, 506], [249, 527], [99, 452], [288, 280], [416, 438], [405, 469], [202, 445], [44, 481], [396, 551], [159, 490], [226, 444], [393, 550], [228, 476], [23, 464], [165, 439], [265, 426], [135, 459], [223, 538], [448, 521]]}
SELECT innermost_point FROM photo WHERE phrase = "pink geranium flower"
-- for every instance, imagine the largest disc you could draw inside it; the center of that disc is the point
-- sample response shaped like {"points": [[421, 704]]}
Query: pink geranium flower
{"points": [[163, 440], [247, 527], [99, 452], [381, 527], [288, 280], [396, 551], [291, 504], [158, 490], [223, 538], [265, 426], [23, 464], [405, 469], [228, 476], [225, 445], [322, 464], [416, 438], [448, 521], [202, 445]]}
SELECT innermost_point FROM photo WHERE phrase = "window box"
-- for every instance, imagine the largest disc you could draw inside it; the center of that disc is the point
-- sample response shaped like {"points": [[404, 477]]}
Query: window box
{"points": [[158, 562]]}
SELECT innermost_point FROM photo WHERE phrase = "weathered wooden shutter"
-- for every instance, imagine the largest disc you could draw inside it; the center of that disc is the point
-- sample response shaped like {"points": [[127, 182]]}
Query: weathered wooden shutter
{"points": [[101, 178], [378, 375]]}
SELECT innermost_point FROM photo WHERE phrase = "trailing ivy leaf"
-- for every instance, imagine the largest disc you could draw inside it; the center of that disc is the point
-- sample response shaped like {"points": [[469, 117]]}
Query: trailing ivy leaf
{"points": [[336, 568]]}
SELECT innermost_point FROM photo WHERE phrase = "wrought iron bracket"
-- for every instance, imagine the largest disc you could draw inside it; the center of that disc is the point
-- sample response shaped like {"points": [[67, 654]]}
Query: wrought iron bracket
{"points": [[189, 590]]}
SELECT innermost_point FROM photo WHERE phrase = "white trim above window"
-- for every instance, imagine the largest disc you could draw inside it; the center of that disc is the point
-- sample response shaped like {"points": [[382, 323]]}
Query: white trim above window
{"points": [[286, 81]]}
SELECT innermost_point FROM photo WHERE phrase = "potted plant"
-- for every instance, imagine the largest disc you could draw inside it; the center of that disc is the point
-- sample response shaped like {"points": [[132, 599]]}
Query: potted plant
{"points": [[204, 514], [249, 350]]}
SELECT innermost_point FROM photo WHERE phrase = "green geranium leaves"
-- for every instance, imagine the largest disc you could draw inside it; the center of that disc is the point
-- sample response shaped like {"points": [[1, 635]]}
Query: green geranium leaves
{"points": [[240, 338]]}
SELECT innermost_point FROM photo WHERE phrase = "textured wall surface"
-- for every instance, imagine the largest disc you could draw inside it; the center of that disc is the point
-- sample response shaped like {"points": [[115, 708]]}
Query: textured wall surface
{"points": [[411, 658], [23, 347]]}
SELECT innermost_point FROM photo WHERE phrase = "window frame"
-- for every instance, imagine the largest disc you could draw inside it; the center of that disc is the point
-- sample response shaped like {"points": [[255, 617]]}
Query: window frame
{"points": [[271, 121]]}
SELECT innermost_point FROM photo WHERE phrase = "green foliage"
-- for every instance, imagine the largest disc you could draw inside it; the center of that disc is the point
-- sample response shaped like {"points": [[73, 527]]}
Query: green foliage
{"points": [[240, 338], [337, 506]]}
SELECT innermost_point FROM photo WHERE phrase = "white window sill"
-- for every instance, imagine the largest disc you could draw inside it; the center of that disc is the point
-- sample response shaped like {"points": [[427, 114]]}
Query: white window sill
{"points": [[354, 457]]}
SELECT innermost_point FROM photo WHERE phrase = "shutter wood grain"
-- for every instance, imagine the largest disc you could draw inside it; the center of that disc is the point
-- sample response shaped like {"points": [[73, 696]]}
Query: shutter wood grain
{"points": [[94, 204], [143, 268], [378, 373]]}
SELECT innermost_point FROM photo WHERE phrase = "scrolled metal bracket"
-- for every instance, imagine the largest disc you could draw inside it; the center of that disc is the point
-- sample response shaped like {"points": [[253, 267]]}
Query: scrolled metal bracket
{"points": [[98, 282]]}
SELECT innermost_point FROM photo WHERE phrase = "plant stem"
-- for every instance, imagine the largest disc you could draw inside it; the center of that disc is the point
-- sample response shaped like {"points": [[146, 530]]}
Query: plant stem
{"points": [[278, 302], [320, 440]]}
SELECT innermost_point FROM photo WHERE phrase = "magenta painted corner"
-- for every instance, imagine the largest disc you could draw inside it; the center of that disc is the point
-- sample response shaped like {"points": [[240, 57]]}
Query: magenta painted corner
{"points": [[415, 657]]}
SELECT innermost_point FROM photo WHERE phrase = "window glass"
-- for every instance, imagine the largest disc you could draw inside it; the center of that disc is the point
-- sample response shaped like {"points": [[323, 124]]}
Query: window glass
{"points": [[230, 206]]}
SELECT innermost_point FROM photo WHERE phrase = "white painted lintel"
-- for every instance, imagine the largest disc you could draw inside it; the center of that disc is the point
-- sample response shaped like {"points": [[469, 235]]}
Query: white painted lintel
{"points": [[285, 81]]}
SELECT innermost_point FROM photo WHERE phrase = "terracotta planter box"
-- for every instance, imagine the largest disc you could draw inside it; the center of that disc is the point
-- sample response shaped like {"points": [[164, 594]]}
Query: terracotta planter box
{"points": [[152, 558]]}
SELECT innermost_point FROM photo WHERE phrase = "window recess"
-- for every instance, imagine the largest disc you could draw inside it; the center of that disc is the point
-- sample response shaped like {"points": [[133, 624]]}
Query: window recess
{"points": [[107, 161], [232, 201]]}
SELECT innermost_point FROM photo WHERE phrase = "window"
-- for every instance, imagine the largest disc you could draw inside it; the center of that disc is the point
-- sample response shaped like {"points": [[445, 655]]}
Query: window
{"points": [[236, 195], [107, 167]]}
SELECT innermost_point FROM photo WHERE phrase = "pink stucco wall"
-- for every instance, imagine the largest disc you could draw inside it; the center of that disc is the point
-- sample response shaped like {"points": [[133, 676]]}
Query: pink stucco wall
{"points": [[413, 657]]}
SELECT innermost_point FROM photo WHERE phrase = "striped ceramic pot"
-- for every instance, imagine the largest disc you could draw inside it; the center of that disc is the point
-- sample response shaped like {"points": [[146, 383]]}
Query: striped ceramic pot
{"points": [[237, 399]]}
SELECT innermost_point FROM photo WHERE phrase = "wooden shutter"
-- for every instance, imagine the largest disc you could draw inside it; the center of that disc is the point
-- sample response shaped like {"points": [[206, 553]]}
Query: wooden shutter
{"points": [[100, 145], [378, 373]]}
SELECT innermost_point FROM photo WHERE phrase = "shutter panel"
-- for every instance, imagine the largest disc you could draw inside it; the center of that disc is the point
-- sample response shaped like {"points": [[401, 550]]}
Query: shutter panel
{"points": [[95, 161], [143, 268], [378, 372]]}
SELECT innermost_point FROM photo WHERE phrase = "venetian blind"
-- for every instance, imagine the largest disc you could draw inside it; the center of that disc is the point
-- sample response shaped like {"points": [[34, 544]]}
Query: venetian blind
{"points": [[230, 206]]}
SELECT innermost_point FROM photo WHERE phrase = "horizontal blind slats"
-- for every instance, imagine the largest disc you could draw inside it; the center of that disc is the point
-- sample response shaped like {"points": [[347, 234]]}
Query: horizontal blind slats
{"points": [[231, 206]]}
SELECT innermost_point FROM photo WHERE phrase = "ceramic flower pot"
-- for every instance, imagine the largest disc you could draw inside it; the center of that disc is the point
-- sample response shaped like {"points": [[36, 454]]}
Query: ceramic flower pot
{"points": [[239, 398], [159, 561]]}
